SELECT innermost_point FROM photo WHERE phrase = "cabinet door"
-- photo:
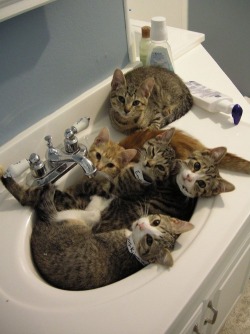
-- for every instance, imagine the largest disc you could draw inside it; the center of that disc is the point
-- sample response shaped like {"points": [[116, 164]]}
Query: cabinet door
{"points": [[194, 324], [229, 292]]}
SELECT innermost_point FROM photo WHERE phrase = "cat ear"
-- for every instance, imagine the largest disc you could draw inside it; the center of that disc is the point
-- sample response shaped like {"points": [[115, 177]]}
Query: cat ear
{"points": [[103, 137], [166, 135], [118, 79], [223, 187], [146, 87], [127, 155], [180, 226], [218, 153], [165, 258]]}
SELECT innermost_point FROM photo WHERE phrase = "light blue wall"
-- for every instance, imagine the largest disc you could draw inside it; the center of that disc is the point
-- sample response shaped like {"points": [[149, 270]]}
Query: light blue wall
{"points": [[226, 24], [52, 54]]}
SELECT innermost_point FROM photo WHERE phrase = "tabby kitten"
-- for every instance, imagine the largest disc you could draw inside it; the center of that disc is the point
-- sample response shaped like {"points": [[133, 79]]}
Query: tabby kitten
{"points": [[69, 256], [184, 144], [198, 176], [155, 164], [147, 97]]}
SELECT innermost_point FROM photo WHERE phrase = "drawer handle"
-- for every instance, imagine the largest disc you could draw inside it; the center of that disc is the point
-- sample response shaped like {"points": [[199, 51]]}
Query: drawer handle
{"points": [[196, 329], [215, 313]]}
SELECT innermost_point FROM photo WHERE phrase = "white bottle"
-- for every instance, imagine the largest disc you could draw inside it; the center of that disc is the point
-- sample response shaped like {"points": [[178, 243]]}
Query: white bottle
{"points": [[214, 101], [160, 52], [144, 45]]}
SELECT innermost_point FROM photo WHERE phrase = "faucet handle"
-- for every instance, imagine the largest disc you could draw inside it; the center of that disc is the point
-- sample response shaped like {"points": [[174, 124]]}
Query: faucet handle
{"points": [[48, 139], [80, 125], [37, 166], [70, 141]]}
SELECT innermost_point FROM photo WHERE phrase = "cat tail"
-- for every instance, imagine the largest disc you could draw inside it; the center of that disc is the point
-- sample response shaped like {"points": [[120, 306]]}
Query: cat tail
{"points": [[235, 163], [178, 112], [45, 208]]}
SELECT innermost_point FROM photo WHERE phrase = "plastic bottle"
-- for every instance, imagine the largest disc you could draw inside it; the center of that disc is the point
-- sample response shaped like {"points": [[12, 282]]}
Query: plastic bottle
{"points": [[160, 53], [214, 101], [144, 45]]}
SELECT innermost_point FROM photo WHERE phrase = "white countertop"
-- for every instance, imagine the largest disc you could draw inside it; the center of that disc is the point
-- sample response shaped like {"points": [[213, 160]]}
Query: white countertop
{"points": [[180, 40]]}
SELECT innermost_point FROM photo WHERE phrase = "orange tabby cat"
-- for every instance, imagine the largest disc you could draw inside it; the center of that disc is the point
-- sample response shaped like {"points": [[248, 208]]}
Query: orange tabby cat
{"points": [[184, 144]]}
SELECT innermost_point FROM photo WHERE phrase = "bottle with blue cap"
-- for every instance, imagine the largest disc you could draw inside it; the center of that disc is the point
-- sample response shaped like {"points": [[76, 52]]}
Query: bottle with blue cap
{"points": [[214, 101]]}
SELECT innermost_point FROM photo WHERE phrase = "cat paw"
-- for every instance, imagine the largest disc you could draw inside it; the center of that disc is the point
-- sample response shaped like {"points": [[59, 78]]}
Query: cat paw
{"points": [[93, 218], [98, 203]]}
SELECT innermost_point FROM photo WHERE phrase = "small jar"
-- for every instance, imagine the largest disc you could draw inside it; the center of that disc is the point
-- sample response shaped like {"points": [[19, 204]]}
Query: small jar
{"points": [[144, 45]]}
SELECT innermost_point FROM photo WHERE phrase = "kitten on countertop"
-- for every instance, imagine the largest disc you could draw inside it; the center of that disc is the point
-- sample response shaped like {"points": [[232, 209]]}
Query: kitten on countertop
{"points": [[147, 97]]}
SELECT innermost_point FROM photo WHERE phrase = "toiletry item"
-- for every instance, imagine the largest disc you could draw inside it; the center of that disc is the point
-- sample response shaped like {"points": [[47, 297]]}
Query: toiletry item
{"points": [[214, 101], [144, 44], [160, 53]]}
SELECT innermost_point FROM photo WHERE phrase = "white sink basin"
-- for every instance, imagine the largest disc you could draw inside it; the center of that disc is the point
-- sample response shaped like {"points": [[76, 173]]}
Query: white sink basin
{"points": [[31, 290]]}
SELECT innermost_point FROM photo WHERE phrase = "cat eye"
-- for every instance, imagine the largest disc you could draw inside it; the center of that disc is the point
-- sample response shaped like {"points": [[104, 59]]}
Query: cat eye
{"points": [[197, 166], [201, 183], [161, 168], [98, 156], [121, 99], [136, 103], [110, 165], [149, 239], [156, 222]]}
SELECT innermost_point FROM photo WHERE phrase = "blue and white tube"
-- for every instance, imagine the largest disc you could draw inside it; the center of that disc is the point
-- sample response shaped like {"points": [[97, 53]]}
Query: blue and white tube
{"points": [[214, 101]]}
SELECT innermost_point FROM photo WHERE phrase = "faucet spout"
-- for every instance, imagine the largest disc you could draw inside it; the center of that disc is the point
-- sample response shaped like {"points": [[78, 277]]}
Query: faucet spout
{"points": [[87, 166]]}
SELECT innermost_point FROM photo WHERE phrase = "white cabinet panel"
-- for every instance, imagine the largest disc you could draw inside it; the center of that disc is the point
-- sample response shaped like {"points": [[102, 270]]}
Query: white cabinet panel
{"points": [[194, 322], [231, 289]]}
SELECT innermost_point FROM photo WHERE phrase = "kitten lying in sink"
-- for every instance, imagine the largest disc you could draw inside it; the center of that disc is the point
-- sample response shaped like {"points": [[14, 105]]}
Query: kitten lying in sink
{"points": [[68, 255]]}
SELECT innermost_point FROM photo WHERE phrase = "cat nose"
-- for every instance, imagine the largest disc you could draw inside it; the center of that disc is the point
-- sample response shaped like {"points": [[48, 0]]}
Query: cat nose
{"points": [[141, 225], [148, 164], [126, 110], [188, 177]]}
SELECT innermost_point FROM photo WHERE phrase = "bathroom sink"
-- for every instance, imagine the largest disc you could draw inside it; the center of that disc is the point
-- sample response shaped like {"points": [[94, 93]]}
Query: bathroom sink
{"points": [[15, 253], [30, 305]]}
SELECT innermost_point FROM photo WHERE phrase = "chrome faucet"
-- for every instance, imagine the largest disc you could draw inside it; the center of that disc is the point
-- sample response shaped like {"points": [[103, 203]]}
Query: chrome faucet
{"points": [[58, 160], [57, 157]]}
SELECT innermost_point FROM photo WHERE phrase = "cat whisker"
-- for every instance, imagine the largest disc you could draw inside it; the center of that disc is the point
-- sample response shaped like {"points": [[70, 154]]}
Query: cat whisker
{"points": [[140, 212], [144, 208], [142, 154]]}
